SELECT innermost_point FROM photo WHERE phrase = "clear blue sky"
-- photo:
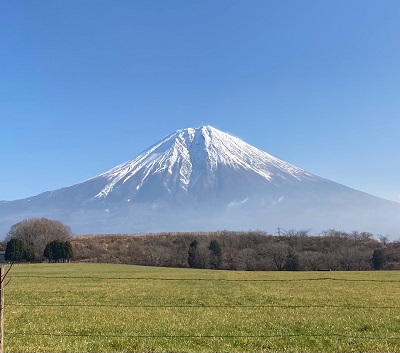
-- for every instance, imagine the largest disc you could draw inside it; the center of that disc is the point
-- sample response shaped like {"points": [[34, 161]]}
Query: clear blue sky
{"points": [[88, 84]]}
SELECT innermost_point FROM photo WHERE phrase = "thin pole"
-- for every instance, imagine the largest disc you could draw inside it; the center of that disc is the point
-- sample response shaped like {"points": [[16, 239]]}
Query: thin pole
{"points": [[1, 308]]}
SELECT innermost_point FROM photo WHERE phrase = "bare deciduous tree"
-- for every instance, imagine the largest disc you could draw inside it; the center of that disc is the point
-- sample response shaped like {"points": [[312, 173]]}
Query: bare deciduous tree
{"points": [[36, 233], [279, 252]]}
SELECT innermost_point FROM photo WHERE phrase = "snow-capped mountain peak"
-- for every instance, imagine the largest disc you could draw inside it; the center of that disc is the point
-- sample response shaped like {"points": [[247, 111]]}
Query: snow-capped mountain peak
{"points": [[193, 156]]}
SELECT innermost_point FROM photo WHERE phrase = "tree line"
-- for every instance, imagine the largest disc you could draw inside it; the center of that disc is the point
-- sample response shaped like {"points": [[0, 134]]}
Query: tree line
{"points": [[254, 250], [48, 240]]}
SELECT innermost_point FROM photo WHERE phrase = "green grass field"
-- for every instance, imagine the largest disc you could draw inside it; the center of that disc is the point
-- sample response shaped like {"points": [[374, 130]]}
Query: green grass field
{"points": [[120, 308]]}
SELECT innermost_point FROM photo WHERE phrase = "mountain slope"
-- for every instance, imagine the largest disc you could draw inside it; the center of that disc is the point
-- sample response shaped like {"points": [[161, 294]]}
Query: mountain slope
{"points": [[204, 179], [192, 163]]}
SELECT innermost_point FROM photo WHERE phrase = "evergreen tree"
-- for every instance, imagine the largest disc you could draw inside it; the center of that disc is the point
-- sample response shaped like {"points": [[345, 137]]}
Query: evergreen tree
{"points": [[378, 259], [15, 250], [215, 255], [68, 253], [48, 252], [29, 255], [193, 256], [58, 250]]}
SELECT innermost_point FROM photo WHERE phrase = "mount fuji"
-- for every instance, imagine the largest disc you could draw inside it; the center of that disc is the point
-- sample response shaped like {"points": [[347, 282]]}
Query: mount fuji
{"points": [[200, 179]]}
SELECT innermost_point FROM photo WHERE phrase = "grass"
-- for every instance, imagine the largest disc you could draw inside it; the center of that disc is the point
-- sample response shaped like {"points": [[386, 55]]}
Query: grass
{"points": [[121, 308]]}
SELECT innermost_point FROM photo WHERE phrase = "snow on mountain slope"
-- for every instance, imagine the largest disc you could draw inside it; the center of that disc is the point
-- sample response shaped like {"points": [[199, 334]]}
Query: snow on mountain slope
{"points": [[192, 161], [204, 179]]}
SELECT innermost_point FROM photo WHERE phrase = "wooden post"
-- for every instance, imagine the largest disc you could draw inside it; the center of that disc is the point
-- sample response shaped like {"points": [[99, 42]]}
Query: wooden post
{"points": [[2, 277]]}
